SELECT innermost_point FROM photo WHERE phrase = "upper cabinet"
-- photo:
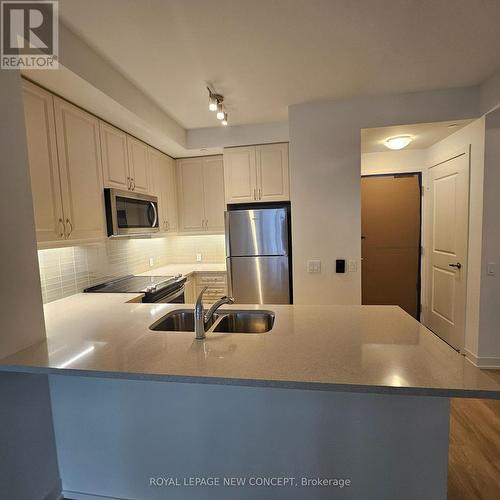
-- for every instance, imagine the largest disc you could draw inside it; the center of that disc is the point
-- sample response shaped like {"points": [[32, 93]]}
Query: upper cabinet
{"points": [[162, 169], [125, 160], [65, 169], [44, 167], [80, 171], [201, 194], [256, 173], [138, 161]]}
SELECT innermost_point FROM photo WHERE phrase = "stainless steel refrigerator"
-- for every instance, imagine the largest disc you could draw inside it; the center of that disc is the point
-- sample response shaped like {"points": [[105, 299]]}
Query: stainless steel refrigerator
{"points": [[258, 255]]}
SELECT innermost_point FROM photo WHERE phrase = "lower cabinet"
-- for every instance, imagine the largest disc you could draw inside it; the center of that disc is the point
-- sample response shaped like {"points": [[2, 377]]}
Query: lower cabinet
{"points": [[217, 286], [190, 290]]}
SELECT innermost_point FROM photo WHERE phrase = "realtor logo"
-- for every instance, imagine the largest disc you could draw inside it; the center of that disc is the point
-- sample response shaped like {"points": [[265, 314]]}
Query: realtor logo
{"points": [[29, 35]]}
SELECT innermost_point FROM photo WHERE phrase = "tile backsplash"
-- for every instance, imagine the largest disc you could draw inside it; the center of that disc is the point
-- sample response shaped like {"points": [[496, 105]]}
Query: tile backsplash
{"points": [[66, 271]]}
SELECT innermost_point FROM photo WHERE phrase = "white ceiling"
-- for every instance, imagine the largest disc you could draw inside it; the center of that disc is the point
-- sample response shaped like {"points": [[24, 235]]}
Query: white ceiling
{"points": [[264, 55], [424, 135]]}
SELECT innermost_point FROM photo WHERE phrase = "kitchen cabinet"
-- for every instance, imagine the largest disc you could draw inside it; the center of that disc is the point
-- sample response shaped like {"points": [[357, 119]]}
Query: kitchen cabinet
{"points": [[80, 171], [216, 283], [125, 160], [189, 290], [138, 162], [44, 167], [114, 157], [162, 169], [201, 194], [256, 173]]}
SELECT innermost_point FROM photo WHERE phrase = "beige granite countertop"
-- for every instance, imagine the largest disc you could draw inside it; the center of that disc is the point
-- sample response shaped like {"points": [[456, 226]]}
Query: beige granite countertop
{"points": [[353, 348], [185, 269]]}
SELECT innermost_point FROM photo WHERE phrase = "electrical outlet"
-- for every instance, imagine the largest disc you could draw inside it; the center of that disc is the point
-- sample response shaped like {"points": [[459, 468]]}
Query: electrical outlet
{"points": [[198, 257], [313, 266], [151, 262]]}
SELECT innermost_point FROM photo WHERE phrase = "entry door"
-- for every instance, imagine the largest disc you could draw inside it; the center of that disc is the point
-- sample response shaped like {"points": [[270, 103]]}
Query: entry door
{"points": [[447, 255], [390, 225]]}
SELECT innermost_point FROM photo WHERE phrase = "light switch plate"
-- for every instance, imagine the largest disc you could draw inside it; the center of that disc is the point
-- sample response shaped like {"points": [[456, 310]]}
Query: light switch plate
{"points": [[491, 269], [151, 262], [198, 257], [313, 266], [352, 266]]}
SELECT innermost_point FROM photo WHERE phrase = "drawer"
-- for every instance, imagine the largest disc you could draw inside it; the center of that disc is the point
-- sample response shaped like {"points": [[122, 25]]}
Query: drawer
{"points": [[212, 294], [219, 279]]}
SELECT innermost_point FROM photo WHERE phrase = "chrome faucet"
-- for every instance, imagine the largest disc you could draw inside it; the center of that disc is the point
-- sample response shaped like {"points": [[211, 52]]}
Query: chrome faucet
{"points": [[202, 319]]}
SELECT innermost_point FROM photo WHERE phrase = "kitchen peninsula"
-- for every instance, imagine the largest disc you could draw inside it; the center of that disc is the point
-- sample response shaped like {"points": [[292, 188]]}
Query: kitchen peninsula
{"points": [[340, 379]]}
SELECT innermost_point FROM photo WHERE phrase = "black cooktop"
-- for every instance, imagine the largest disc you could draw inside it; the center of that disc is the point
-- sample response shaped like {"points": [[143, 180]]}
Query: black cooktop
{"points": [[133, 284]]}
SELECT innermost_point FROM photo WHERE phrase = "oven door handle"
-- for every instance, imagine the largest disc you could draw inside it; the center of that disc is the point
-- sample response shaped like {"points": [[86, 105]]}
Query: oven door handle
{"points": [[177, 293]]}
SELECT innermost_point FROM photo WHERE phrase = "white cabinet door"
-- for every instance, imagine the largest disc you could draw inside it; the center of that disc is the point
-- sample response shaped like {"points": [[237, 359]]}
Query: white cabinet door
{"points": [[157, 188], [80, 171], [138, 161], [44, 168], [272, 172], [170, 194], [190, 189], [240, 179], [213, 189], [114, 157]]}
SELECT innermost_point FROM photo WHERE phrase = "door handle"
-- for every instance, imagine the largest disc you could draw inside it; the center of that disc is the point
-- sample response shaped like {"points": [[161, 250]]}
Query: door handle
{"points": [[61, 228], [457, 265], [153, 206], [70, 228]]}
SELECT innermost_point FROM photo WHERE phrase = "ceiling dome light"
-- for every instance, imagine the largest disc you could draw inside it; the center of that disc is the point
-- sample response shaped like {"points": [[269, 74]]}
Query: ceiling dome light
{"points": [[398, 142], [224, 120], [220, 111]]}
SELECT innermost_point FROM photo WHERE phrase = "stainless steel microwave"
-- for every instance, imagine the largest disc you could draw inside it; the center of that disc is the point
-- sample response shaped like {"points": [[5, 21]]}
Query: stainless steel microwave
{"points": [[130, 213]]}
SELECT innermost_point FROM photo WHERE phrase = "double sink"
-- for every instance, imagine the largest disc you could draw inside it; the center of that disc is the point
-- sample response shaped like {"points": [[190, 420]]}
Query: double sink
{"points": [[231, 321]]}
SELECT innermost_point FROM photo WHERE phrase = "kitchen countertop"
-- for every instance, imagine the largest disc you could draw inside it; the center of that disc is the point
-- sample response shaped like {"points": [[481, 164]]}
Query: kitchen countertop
{"points": [[340, 348], [185, 269]]}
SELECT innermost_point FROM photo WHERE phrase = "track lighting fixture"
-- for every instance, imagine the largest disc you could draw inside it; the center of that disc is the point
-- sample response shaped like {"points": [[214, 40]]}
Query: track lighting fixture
{"points": [[215, 104]]}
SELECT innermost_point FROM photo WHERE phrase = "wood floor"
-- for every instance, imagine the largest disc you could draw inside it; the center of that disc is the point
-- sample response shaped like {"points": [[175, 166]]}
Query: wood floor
{"points": [[474, 456]]}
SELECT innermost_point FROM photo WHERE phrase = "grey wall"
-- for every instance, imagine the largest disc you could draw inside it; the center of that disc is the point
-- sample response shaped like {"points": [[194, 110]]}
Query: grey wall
{"points": [[114, 435], [21, 312], [325, 157], [28, 461], [489, 316]]}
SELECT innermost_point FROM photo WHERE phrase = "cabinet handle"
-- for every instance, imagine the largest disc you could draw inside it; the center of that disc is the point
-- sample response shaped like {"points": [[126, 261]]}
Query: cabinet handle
{"points": [[61, 229], [132, 183], [255, 193], [260, 194], [129, 184], [68, 222], [168, 226]]}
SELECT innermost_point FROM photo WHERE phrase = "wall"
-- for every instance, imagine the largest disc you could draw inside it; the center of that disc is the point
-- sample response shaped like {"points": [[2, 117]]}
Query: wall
{"points": [[489, 341], [388, 162], [489, 93], [470, 136], [66, 271], [18, 265], [325, 147], [28, 460], [237, 135]]}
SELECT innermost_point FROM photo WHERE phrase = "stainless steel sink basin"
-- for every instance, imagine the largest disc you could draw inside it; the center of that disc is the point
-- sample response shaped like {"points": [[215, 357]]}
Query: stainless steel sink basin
{"points": [[181, 320], [230, 321], [244, 322]]}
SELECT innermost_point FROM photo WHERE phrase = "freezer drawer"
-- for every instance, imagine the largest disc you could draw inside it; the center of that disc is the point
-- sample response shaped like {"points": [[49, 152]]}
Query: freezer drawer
{"points": [[259, 280], [256, 232]]}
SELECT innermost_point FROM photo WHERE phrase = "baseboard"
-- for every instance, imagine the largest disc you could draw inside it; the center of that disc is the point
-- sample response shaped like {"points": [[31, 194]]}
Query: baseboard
{"points": [[482, 362]]}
